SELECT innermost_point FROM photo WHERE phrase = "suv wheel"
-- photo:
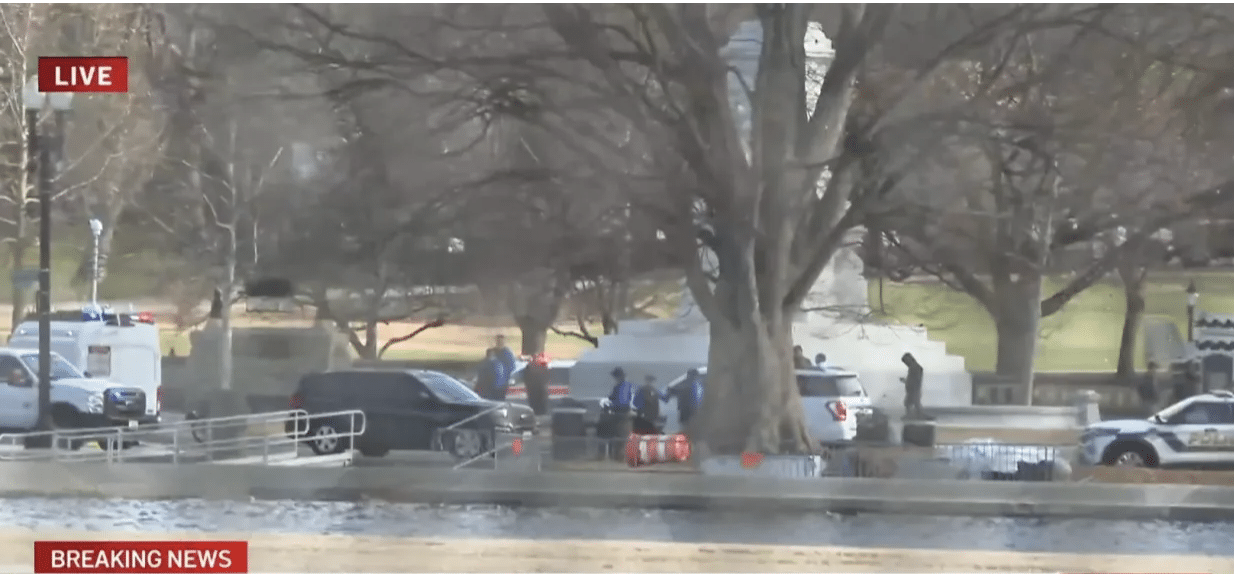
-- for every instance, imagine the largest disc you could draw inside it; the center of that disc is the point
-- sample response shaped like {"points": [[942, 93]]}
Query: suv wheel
{"points": [[326, 439], [467, 444], [1131, 454]]}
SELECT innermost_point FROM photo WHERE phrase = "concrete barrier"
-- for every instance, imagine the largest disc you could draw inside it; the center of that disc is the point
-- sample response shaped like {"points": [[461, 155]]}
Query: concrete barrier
{"points": [[625, 490]]}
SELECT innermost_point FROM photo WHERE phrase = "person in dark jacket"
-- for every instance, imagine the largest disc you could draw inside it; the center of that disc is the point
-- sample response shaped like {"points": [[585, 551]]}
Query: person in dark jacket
{"points": [[487, 375], [800, 361], [689, 395], [535, 379], [820, 362], [912, 387], [621, 399], [646, 405]]}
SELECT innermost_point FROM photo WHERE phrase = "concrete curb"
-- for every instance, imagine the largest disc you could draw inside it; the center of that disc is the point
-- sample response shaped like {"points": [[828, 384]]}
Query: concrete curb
{"points": [[623, 490]]}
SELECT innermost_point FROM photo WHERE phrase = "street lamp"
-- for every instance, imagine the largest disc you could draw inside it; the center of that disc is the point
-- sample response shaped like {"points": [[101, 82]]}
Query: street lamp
{"points": [[96, 231], [36, 103], [1193, 299]]}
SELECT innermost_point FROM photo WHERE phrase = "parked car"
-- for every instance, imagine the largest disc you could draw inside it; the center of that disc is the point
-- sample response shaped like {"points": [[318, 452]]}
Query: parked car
{"points": [[403, 410], [558, 380], [834, 401], [1195, 432]]}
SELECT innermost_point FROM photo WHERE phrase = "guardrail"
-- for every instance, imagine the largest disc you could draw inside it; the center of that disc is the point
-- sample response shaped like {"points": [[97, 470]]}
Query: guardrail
{"points": [[261, 438], [483, 441]]}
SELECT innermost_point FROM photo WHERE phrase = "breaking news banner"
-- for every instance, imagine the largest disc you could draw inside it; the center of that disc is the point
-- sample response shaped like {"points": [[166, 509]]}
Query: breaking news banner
{"points": [[84, 74], [141, 557]]}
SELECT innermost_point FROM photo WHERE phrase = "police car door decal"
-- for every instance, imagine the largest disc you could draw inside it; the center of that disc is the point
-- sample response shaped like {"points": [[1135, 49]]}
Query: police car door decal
{"points": [[98, 361]]}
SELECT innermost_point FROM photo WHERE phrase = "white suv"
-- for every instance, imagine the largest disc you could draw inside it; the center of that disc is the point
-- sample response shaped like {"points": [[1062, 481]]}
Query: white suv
{"points": [[1198, 431], [833, 399]]}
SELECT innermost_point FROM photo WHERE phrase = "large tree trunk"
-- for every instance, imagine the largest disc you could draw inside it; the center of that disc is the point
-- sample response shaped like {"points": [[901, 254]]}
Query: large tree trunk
{"points": [[1133, 296], [1017, 318], [751, 402], [534, 335]]}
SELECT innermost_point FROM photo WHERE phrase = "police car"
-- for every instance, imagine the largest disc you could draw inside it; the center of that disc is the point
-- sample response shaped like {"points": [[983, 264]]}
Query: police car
{"points": [[1198, 431]]}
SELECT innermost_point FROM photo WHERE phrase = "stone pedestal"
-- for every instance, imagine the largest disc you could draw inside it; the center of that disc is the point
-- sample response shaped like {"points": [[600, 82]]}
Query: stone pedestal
{"points": [[266, 362]]}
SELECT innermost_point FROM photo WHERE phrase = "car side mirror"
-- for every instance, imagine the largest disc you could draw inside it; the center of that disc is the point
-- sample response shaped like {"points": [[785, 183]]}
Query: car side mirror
{"points": [[88, 375]]}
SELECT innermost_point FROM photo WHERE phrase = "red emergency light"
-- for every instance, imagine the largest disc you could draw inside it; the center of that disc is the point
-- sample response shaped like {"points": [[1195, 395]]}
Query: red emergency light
{"points": [[145, 317]]}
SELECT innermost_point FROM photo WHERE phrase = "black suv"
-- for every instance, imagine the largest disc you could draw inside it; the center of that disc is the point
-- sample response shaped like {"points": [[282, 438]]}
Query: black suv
{"points": [[403, 410]]}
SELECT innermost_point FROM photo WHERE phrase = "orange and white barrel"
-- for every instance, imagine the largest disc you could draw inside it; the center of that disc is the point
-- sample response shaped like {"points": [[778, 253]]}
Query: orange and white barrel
{"points": [[648, 449]]}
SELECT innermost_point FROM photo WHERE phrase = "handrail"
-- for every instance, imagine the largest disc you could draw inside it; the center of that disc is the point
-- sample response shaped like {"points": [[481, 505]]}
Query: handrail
{"points": [[455, 425], [226, 437]]}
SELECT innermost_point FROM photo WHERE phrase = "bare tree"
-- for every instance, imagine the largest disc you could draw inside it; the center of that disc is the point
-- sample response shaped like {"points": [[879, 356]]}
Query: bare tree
{"points": [[1040, 169], [102, 146], [760, 221]]}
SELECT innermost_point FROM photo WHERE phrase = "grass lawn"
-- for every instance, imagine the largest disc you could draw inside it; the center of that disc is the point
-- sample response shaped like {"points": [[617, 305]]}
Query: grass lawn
{"points": [[447, 343], [1083, 336]]}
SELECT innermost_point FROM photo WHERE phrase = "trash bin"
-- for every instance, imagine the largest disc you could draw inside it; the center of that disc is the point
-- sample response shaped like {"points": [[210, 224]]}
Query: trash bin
{"points": [[569, 433], [613, 429], [917, 434]]}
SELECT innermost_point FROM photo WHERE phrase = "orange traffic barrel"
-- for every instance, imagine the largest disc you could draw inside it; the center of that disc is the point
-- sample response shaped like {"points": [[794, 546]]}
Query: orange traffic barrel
{"points": [[648, 449]]}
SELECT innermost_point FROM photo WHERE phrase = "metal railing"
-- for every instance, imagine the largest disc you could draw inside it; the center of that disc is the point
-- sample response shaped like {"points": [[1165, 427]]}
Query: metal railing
{"points": [[258, 438], [486, 439], [973, 460]]}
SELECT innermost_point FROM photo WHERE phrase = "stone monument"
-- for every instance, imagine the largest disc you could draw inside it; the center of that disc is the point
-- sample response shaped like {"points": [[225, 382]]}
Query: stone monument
{"points": [[666, 348]]}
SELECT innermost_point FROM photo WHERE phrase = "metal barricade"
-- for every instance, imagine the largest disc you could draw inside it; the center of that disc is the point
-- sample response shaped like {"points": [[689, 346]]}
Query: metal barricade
{"points": [[258, 438]]}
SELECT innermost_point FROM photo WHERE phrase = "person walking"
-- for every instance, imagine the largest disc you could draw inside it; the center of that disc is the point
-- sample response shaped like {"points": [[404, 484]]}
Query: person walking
{"points": [[800, 361], [487, 375], [535, 379], [646, 405], [912, 387], [689, 396]]}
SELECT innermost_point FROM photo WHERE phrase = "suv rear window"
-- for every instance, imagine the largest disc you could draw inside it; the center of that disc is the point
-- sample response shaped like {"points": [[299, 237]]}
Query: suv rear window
{"points": [[829, 386]]}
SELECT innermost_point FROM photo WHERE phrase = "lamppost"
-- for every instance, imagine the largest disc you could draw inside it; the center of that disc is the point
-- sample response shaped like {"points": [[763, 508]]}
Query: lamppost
{"points": [[1193, 299], [40, 147], [96, 231]]}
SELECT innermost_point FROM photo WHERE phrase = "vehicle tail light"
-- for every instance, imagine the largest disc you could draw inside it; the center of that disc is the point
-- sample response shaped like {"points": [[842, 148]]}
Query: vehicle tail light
{"points": [[296, 401], [158, 397], [145, 317], [839, 410]]}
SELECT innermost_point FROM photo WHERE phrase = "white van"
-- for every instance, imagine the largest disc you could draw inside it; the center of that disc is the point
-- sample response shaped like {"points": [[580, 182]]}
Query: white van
{"points": [[120, 348]]}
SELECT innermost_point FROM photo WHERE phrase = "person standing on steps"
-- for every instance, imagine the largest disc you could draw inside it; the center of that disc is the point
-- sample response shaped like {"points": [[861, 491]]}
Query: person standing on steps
{"points": [[535, 379], [800, 361], [912, 387]]}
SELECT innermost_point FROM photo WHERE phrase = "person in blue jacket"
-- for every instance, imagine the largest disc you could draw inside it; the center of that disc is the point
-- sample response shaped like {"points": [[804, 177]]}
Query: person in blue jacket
{"points": [[488, 376], [689, 395], [505, 358], [621, 399]]}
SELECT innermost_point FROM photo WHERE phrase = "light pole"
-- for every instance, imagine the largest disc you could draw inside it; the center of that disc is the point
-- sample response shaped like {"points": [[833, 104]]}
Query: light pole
{"points": [[96, 230], [1193, 299], [36, 103]]}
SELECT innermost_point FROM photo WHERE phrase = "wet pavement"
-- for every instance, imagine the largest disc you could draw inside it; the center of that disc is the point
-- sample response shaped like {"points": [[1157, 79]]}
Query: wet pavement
{"points": [[486, 521]]}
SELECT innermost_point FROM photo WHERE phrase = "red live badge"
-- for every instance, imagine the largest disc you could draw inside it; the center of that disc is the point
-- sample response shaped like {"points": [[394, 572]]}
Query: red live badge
{"points": [[88, 74]]}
